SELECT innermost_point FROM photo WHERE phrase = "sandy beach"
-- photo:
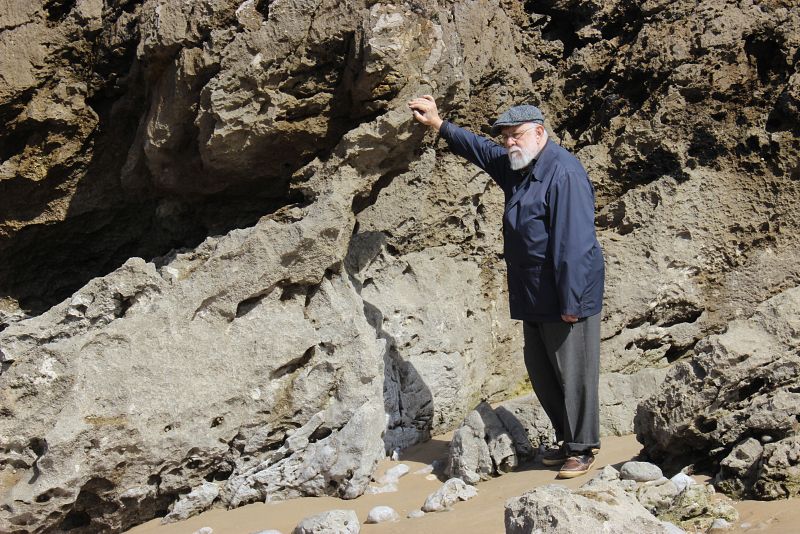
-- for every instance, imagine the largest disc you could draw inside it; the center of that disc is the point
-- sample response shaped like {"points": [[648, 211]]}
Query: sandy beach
{"points": [[483, 514]]}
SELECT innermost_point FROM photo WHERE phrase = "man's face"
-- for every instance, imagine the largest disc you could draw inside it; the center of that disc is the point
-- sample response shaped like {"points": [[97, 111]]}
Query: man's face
{"points": [[522, 142]]}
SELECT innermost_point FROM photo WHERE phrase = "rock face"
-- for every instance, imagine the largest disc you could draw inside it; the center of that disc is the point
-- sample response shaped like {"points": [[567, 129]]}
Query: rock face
{"points": [[230, 256], [740, 389]]}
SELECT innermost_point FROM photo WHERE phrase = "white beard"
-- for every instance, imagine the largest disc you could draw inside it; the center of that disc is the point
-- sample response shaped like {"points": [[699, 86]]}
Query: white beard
{"points": [[519, 158]]}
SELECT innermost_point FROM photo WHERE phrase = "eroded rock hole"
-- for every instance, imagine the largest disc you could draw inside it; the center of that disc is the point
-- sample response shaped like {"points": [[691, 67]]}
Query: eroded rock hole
{"points": [[263, 7], [75, 519], [57, 10], [750, 389], [768, 55], [294, 364]]}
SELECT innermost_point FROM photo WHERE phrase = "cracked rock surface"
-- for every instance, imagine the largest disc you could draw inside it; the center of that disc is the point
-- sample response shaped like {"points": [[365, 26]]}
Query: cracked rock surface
{"points": [[231, 257]]}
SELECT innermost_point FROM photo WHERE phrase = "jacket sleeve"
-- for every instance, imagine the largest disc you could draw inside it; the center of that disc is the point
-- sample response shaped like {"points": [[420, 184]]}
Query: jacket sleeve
{"points": [[572, 237], [478, 150]]}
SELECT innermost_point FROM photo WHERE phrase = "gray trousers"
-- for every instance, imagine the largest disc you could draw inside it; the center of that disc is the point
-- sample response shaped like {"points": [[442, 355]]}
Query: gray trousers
{"points": [[563, 362]]}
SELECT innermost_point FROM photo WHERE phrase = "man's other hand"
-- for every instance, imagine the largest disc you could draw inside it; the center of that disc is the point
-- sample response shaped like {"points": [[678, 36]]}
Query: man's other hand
{"points": [[425, 111], [569, 318]]}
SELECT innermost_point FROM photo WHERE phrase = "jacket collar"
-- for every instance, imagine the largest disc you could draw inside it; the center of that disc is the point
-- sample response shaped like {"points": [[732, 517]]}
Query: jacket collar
{"points": [[544, 160]]}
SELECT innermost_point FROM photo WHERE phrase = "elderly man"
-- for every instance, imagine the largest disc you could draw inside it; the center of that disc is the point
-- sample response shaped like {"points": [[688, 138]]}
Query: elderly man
{"points": [[555, 268]]}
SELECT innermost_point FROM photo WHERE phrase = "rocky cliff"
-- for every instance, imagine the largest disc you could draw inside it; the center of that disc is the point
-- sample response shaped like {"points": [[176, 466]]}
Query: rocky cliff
{"points": [[230, 256]]}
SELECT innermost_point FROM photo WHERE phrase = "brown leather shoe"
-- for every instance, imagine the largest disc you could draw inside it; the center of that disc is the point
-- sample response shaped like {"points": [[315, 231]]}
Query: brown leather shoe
{"points": [[576, 466]]}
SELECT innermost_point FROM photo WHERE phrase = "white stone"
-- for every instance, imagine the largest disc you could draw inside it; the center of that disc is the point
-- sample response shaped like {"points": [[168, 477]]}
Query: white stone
{"points": [[682, 480], [381, 514], [448, 494]]}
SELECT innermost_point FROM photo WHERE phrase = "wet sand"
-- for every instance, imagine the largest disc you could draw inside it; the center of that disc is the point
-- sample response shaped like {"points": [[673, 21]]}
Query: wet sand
{"points": [[482, 514]]}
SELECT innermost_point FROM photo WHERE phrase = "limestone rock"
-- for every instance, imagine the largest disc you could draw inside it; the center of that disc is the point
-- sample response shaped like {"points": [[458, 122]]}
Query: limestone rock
{"points": [[747, 378], [448, 494], [657, 498], [481, 447], [554, 509], [694, 509], [196, 501], [312, 257], [738, 470], [779, 470], [331, 522]]}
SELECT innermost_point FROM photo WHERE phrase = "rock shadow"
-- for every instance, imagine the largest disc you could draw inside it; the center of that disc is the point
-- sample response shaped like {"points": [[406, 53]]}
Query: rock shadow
{"points": [[408, 401]]}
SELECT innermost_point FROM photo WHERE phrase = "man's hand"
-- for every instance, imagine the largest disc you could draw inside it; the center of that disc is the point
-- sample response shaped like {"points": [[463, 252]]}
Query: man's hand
{"points": [[569, 318], [425, 111]]}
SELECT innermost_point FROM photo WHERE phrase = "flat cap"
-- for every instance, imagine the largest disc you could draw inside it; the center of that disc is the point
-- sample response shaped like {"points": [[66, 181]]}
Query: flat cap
{"points": [[518, 115]]}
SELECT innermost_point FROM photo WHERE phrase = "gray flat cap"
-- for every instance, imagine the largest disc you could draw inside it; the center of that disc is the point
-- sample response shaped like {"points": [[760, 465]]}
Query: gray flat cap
{"points": [[518, 115]]}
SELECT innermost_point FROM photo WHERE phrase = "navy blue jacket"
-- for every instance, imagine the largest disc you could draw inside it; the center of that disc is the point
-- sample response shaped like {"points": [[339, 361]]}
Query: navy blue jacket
{"points": [[555, 264]]}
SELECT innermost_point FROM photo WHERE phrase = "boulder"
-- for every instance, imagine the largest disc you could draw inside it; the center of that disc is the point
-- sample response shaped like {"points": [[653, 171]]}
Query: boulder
{"points": [[481, 447], [554, 509], [779, 470], [743, 382]]}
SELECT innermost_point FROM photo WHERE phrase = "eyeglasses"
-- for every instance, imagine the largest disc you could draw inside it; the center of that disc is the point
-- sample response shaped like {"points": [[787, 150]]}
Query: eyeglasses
{"points": [[505, 138]]}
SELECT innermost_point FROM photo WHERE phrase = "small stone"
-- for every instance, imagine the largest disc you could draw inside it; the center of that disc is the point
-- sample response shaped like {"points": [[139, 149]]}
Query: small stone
{"points": [[393, 474], [381, 514], [271, 531], [640, 471], [682, 481], [430, 477], [204, 530], [424, 470], [384, 488], [413, 514], [451, 492], [766, 438]]}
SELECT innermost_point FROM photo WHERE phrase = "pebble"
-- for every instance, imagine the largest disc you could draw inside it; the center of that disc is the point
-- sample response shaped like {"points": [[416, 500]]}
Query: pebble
{"points": [[204, 530], [393, 474], [424, 470], [413, 514], [430, 477], [381, 514]]}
